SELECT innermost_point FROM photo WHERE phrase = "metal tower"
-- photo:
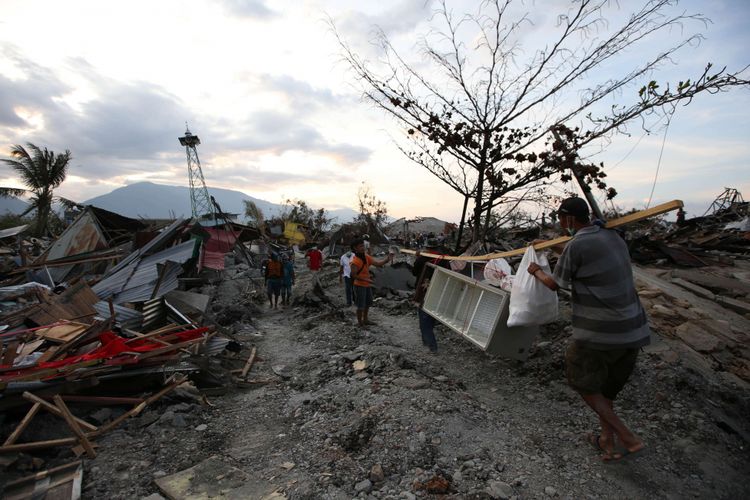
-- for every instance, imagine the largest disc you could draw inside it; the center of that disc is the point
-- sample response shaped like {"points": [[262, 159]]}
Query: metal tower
{"points": [[728, 199], [200, 201]]}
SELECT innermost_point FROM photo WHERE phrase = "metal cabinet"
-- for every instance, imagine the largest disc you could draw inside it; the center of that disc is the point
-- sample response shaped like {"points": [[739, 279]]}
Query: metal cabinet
{"points": [[478, 312]]}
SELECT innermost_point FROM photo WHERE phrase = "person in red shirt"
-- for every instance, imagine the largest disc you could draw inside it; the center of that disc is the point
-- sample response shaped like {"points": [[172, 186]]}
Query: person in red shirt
{"points": [[273, 277], [360, 272], [315, 258]]}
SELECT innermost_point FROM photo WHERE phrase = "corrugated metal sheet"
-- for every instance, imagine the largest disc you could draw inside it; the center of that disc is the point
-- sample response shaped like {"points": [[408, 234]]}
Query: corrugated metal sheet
{"points": [[214, 346], [153, 313], [124, 316], [83, 236], [162, 239], [220, 243], [212, 260], [12, 231], [137, 281]]}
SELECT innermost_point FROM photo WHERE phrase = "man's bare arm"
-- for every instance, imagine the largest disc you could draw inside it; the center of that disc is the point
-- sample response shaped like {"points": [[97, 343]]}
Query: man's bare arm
{"points": [[545, 278]]}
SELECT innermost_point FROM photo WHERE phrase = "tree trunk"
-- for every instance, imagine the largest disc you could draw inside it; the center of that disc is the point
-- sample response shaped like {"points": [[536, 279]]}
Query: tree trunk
{"points": [[487, 216], [463, 222], [480, 187]]}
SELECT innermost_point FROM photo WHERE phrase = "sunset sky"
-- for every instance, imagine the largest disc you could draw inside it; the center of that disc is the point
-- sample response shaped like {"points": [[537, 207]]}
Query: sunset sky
{"points": [[279, 116]]}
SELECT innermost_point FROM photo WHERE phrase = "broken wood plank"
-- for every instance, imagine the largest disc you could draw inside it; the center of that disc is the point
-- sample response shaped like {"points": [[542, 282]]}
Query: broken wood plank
{"points": [[168, 348], [38, 445], [160, 331], [250, 362], [11, 350], [80, 450], [43, 474], [99, 400], [634, 217], [70, 420], [63, 333], [55, 410], [24, 423], [140, 407]]}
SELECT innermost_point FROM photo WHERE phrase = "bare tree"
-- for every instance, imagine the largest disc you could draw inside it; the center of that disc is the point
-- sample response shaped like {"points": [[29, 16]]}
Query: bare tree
{"points": [[480, 117], [254, 215], [372, 211]]}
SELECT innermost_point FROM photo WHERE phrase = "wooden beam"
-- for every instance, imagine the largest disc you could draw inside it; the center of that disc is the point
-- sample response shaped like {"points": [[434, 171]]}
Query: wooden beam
{"points": [[43, 474], [55, 410], [22, 426], [634, 217], [38, 445], [99, 400], [70, 419], [139, 408], [249, 363]]}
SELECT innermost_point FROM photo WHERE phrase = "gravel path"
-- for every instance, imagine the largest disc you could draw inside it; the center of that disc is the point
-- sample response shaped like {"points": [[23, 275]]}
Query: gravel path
{"points": [[345, 413]]}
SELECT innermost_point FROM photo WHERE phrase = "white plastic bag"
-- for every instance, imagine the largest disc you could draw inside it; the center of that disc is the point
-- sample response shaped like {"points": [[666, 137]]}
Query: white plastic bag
{"points": [[498, 272], [531, 303]]}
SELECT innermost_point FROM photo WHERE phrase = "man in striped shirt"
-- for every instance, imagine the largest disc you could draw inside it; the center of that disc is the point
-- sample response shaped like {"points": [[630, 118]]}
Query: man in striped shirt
{"points": [[609, 323]]}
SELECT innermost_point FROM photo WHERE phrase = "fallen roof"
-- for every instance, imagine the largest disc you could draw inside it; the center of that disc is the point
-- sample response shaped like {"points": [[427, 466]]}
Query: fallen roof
{"points": [[143, 279], [12, 231]]}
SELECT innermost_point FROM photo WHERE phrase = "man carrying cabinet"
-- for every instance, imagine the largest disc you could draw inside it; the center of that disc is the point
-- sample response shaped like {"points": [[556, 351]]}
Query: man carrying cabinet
{"points": [[609, 322]]}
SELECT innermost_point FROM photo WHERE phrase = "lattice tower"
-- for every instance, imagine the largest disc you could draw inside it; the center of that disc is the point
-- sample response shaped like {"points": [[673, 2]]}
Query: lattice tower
{"points": [[729, 198], [200, 201]]}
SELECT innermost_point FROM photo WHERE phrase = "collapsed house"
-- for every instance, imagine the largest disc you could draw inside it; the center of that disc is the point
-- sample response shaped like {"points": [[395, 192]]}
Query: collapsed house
{"points": [[402, 227], [109, 313]]}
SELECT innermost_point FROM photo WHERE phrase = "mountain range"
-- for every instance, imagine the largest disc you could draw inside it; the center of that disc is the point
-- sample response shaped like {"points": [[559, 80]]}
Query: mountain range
{"points": [[158, 201]]}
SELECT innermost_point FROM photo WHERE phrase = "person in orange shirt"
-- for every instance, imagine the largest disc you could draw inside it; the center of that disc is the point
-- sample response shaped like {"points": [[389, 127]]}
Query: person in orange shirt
{"points": [[360, 272]]}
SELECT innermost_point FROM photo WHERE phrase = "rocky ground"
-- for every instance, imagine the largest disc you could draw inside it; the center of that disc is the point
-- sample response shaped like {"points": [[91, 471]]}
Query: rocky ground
{"points": [[339, 412]]}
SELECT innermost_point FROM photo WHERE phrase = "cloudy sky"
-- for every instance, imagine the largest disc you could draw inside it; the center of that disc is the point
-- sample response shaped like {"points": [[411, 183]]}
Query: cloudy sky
{"points": [[279, 116]]}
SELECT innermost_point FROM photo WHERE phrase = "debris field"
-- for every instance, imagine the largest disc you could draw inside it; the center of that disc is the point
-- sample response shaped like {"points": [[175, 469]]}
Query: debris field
{"points": [[158, 370]]}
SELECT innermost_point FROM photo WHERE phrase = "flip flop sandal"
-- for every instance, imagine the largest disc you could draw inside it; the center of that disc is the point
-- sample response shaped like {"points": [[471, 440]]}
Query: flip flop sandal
{"points": [[622, 455]]}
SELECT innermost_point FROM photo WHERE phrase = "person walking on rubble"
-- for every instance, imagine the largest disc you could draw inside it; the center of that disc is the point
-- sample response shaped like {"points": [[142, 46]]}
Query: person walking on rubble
{"points": [[273, 278], [360, 271], [314, 259], [345, 275], [287, 267], [609, 322], [424, 273]]}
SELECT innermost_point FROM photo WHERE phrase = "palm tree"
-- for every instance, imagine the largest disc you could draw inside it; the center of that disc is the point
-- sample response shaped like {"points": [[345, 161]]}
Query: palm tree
{"points": [[42, 171]]}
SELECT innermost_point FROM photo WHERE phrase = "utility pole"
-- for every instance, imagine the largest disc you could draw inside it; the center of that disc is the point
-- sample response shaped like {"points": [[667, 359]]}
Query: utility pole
{"points": [[200, 201], [584, 187]]}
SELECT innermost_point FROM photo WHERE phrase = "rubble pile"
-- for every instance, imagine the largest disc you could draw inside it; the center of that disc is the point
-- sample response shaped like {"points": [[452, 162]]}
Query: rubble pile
{"points": [[330, 411], [148, 376], [97, 344], [701, 241]]}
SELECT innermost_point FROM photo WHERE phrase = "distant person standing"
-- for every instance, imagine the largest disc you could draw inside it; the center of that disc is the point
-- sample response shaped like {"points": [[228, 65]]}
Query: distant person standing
{"points": [[273, 277], [360, 271], [314, 259], [424, 273], [345, 275], [366, 239], [286, 286]]}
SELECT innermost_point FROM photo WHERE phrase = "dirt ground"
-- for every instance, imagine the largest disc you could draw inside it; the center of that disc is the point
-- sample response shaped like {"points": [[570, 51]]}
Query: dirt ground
{"points": [[340, 412]]}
